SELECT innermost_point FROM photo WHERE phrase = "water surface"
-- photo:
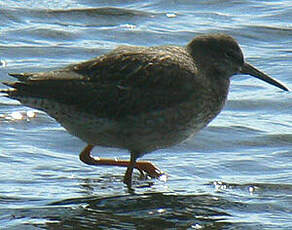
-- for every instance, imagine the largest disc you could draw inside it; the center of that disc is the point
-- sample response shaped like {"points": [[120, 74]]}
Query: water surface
{"points": [[235, 174]]}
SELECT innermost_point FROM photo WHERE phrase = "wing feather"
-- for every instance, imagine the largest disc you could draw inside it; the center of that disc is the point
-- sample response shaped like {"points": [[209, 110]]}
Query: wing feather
{"points": [[126, 81]]}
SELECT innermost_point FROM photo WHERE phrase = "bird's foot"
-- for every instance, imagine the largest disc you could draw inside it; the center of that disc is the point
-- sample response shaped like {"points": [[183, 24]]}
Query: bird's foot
{"points": [[150, 170], [146, 168]]}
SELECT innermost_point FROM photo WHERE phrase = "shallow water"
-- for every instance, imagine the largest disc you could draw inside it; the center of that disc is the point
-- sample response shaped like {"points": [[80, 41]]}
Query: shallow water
{"points": [[235, 174]]}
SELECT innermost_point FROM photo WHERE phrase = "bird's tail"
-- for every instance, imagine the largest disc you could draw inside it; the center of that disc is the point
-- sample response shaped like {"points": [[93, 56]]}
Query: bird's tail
{"points": [[18, 87], [21, 76]]}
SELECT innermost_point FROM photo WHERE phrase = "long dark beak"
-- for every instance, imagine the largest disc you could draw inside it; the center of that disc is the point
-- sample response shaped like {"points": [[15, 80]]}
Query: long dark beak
{"points": [[249, 69]]}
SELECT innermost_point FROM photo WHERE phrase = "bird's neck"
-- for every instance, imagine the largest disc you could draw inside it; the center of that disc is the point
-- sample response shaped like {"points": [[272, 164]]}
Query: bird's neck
{"points": [[218, 87]]}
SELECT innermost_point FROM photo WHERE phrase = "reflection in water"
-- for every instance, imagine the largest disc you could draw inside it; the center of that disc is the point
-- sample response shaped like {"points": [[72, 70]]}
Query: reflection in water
{"points": [[146, 211], [165, 210]]}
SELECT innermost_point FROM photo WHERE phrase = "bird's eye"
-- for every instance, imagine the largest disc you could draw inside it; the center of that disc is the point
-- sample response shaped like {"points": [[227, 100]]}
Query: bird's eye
{"points": [[236, 57]]}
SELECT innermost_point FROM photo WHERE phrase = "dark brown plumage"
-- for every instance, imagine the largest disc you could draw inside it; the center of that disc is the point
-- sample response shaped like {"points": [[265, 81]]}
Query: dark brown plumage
{"points": [[138, 98]]}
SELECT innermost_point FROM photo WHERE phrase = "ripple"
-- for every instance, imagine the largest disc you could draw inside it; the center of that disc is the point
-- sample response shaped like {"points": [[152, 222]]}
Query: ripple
{"points": [[235, 174]]}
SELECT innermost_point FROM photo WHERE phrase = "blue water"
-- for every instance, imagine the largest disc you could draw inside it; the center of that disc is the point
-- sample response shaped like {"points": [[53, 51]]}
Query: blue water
{"points": [[235, 174]]}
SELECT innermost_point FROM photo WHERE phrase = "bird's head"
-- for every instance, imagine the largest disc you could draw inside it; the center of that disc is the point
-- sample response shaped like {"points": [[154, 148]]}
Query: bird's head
{"points": [[219, 55]]}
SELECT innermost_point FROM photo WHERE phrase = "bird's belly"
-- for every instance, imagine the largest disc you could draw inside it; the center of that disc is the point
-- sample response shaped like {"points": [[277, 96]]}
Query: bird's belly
{"points": [[141, 133], [161, 129]]}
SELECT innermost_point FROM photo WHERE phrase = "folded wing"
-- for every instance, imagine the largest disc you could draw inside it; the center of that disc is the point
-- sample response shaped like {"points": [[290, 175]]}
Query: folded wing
{"points": [[126, 81]]}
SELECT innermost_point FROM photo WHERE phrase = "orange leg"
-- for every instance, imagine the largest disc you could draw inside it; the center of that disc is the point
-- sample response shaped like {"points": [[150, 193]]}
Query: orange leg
{"points": [[142, 166], [129, 171]]}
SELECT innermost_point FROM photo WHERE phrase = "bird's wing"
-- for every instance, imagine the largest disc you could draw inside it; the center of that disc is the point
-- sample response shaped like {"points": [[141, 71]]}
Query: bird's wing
{"points": [[126, 81]]}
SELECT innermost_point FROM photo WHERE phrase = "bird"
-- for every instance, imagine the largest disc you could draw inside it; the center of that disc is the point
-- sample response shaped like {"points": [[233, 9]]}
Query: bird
{"points": [[138, 98]]}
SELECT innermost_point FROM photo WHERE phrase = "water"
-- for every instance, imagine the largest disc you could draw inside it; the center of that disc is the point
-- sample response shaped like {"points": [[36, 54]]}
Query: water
{"points": [[235, 174]]}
